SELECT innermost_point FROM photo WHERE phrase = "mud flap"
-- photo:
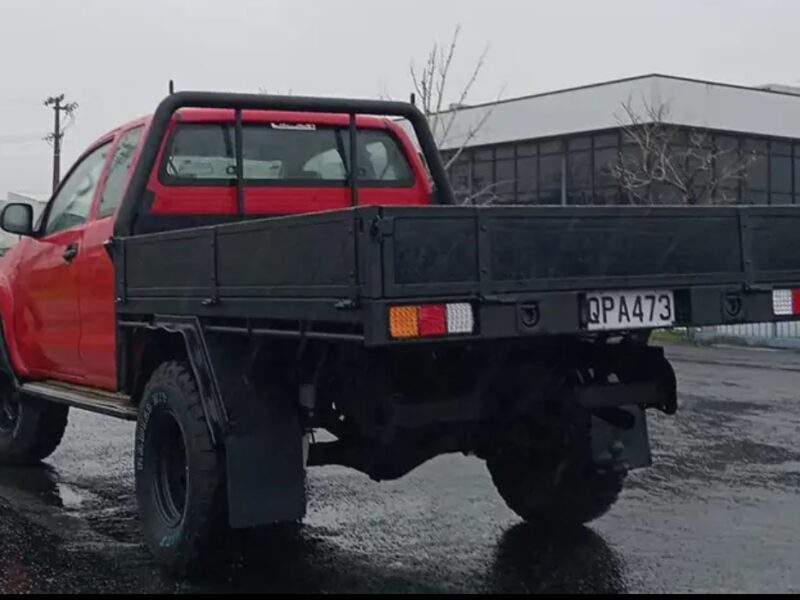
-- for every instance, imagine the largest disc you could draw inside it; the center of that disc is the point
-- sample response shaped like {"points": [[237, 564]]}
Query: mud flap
{"points": [[622, 441], [264, 442], [265, 472]]}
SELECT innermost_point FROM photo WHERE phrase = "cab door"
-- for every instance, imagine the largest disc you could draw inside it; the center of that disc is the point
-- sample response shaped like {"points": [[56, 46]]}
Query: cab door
{"points": [[95, 269], [46, 306]]}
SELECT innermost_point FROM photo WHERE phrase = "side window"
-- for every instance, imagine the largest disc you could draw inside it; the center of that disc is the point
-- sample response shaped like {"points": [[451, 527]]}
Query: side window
{"points": [[380, 160], [71, 205], [117, 173], [327, 166], [201, 152]]}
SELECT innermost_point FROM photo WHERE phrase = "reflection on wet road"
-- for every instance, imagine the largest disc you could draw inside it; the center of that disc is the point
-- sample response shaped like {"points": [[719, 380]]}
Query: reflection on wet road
{"points": [[718, 512]]}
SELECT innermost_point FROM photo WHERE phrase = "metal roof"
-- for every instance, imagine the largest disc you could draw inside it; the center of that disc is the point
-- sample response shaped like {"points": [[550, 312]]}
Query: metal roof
{"points": [[691, 102]]}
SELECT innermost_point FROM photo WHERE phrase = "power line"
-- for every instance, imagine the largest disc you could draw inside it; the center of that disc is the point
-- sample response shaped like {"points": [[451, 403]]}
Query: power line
{"points": [[16, 101], [21, 139]]}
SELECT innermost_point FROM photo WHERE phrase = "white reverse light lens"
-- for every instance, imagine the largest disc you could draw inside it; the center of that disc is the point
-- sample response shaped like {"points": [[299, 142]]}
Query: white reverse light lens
{"points": [[460, 318], [782, 302]]}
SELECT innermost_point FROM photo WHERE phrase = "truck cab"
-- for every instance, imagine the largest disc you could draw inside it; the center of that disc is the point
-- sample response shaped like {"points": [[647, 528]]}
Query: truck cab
{"points": [[58, 309]]}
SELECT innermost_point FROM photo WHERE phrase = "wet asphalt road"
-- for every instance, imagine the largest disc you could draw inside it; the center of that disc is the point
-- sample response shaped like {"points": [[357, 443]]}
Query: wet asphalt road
{"points": [[719, 512]]}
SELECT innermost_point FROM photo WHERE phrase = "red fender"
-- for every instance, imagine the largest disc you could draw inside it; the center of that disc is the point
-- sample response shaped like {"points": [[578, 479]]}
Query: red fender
{"points": [[9, 330]]}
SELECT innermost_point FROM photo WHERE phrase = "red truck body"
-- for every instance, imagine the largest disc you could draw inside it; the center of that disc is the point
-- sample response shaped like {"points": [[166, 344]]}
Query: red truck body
{"points": [[57, 289]]}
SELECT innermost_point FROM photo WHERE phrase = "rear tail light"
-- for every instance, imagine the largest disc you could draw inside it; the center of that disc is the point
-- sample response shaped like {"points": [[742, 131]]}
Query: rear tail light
{"points": [[786, 302], [460, 318], [404, 321], [431, 320]]}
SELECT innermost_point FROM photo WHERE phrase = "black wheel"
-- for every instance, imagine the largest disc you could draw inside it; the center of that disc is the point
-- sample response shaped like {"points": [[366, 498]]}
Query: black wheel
{"points": [[179, 474], [30, 430], [556, 485], [555, 495]]}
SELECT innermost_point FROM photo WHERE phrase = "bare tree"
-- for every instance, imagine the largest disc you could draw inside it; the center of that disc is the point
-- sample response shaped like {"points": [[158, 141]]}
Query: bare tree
{"points": [[443, 107], [661, 160]]}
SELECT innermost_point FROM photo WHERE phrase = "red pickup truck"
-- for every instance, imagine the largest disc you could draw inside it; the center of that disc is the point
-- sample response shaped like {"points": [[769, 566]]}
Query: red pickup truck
{"points": [[237, 271]]}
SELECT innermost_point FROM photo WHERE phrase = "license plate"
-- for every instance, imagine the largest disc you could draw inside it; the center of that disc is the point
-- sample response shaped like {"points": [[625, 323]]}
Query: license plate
{"points": [[630, 310]]}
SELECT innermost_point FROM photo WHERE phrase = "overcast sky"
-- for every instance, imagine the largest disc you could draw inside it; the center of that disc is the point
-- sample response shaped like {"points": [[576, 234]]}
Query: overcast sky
{"points": [[115, 57]]}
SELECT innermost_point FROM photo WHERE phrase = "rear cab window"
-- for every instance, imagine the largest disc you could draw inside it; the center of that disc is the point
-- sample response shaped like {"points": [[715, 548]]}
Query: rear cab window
{"points": [[280, 154]]}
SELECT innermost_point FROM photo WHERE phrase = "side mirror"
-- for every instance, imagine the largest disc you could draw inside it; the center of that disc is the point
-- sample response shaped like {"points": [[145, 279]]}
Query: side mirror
{"points": [[17, 218]]}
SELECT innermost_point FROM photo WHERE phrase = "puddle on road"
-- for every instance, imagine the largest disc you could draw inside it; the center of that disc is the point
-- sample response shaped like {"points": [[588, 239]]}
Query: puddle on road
{"points": [[70, 497]]}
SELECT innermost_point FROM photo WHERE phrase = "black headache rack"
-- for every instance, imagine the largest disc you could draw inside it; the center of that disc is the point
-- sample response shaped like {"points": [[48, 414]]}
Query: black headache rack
{"points": [[526, 270], [133, 205]]}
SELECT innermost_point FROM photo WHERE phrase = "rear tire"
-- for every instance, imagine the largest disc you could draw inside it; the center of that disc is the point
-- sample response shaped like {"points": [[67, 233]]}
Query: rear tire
{"points": [[555, 496], [30, 430], [555, 484], [179, 473]]}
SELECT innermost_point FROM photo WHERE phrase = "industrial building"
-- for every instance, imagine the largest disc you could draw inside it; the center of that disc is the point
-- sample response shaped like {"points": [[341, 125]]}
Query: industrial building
{"points": [[556, 147]]}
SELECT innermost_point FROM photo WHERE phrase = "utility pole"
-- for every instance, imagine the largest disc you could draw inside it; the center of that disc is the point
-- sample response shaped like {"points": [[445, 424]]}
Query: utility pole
{"points": [[68, 108]]}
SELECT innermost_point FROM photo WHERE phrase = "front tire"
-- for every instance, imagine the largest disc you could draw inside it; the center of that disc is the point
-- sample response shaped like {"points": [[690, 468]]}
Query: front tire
{"points": [[30, 430], [179, 473]]}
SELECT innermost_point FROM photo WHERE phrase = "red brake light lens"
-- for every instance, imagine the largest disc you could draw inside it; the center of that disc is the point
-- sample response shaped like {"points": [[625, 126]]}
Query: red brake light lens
{"points": [[433, 320]]}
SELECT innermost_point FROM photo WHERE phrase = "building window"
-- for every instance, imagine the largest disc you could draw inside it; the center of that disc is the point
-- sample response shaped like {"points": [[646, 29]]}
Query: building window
{"points": [[606, 140], [699, 171], [727, 170], [460, 176], [482, 180], [781, 148], [758, 173], [797, 171], [484, 155], [527, 176], [606, 196], [550, 178], [527, 149], [581, 143], [758, 177], [503, 152], [579, 177], [550, 147], [446, 156], [505, 176], [780, 174], [604, 161], [580, 170], [726, 143], [780, 198], [757, 146], [757, 188]]}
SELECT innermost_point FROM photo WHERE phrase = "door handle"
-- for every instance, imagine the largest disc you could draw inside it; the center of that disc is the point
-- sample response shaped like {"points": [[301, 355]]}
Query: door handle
{"points": [[71, 252]]}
